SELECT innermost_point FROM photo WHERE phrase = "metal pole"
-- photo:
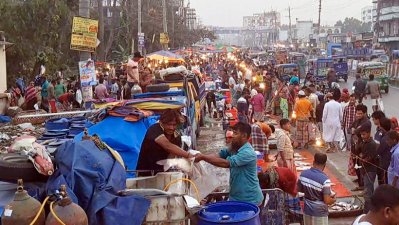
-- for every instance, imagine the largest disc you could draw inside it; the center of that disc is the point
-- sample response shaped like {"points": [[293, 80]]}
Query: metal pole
{"points": [[139, 8], [84, 11], [290, 34], [165, 22], [318, 30], [56, 114]]}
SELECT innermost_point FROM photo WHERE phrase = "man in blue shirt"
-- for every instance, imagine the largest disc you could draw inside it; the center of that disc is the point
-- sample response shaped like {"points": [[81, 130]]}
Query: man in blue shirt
{"points": [[316, 186], [241, 159], [393, 170]]}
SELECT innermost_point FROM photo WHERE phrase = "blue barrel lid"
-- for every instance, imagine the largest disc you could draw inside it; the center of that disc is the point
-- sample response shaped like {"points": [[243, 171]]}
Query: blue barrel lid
{"points": [[229, 212]]}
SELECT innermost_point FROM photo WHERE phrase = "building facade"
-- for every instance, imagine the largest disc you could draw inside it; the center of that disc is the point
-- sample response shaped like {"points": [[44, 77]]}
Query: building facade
{"points": [[261, 29], [303, 30], [367, 14], [228, 35], [387, 23]]}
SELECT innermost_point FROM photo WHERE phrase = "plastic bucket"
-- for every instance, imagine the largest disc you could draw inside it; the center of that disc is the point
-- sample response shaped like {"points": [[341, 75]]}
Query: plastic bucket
{"points": [[230, 212]]}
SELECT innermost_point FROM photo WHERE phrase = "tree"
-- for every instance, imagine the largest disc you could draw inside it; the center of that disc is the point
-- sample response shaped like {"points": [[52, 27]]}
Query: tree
{"points": [[353, 25], [41, 32], [39, 29]]}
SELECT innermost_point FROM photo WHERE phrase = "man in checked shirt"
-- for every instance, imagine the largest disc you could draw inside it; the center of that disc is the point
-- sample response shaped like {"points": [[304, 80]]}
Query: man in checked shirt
{"points": [[348, 119], [260, 133]]}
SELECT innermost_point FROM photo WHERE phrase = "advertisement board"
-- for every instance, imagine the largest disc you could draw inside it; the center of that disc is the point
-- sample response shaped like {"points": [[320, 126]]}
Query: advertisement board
{"points": [[84, 34]]}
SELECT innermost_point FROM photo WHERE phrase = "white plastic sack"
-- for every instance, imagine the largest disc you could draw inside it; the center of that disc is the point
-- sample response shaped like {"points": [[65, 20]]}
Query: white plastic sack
{"points": [[208, 178], [380, 104], [182, 164], [172, 70]]}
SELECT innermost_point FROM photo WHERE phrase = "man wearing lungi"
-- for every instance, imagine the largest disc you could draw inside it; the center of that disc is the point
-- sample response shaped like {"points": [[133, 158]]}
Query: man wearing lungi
{"points": [[304, 110]]}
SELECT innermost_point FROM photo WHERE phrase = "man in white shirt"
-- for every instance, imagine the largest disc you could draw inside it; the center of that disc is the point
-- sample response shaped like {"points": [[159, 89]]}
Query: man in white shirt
{"points": [[313, 98], [332, 117], [232, 84], [384, 208], [133, 69]]}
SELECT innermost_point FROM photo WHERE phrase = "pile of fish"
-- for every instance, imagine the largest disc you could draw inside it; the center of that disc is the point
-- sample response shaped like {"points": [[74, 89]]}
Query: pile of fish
{"points": [[9, 133], [300, 165], [343, 206]]}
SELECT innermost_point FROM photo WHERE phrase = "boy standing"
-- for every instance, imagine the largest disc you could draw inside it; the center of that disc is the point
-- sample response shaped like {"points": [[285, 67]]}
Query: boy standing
{"points": [[361, 120], [368, 157]]}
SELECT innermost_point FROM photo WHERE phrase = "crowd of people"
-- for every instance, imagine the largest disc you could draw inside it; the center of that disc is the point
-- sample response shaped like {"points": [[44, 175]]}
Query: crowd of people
{"points": [[330, 114], [307, 112], [54, 93]]}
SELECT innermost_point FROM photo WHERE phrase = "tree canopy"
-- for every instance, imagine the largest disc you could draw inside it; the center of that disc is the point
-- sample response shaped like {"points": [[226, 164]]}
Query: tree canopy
{"points": [[41, 30], [353, 25]]}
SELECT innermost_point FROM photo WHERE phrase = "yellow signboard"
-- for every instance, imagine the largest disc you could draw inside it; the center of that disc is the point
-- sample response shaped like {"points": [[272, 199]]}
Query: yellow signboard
{"points": [[84, 34], [163, 38]]}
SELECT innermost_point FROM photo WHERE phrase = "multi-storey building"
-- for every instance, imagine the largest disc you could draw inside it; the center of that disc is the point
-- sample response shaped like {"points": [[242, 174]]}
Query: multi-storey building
{"points": [[387, 23], [367, 14]]}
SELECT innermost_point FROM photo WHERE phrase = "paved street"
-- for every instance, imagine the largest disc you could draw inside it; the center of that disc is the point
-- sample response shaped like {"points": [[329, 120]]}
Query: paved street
{"points": [[391, 100]]}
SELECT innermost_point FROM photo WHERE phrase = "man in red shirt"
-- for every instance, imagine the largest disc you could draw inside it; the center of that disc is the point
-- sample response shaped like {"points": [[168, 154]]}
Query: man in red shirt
{"points": [[279, 177], [66, 100], [30, 96]]}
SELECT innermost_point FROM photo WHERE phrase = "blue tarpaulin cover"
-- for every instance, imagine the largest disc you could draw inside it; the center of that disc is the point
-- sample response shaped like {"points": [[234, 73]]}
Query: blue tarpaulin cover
{"points": [[5, 119], [93, 178], [123, 136], [163, 94]]}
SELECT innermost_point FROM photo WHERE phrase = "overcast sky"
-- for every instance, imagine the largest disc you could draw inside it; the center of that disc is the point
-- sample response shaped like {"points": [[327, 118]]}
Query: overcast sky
{"points": [[230, 12]]}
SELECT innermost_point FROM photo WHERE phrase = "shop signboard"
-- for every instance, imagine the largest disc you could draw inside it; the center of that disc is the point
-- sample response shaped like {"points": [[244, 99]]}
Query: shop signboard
{"points": [[84, 34]]}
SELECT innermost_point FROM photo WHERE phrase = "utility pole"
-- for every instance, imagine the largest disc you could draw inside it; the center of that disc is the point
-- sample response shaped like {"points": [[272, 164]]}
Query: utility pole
{"points": [[84, 11], [290, 27], [319, 25], [140, 47], [165, 22]]}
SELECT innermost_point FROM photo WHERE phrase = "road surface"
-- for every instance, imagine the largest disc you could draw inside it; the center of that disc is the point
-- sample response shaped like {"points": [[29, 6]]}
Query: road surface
{"points": [[212, 140], [390, 100]]}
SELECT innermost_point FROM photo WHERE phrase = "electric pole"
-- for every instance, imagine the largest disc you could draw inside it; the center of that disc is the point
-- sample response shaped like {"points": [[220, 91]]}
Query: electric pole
{"points": [[319, 25], [290, 27], [140, 47], [84, 11]]}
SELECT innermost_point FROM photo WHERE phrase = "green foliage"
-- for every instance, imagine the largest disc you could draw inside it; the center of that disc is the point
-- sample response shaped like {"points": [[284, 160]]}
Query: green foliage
{"points": [[40, 31], [353, 25]]}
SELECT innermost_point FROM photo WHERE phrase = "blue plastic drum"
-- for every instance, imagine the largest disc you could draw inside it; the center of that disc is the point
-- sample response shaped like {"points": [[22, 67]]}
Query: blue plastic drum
{"points": [[230, 212]]}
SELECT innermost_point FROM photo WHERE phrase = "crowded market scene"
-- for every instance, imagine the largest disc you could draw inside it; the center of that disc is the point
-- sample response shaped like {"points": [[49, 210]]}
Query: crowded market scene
{"points": [[196, 112]]}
